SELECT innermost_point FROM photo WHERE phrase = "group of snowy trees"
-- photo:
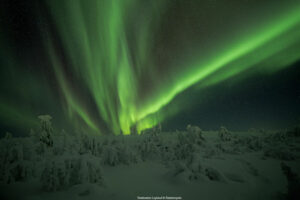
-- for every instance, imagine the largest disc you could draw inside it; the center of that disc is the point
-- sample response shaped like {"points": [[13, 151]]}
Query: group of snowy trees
{"points": [[56, 161], [62, 160], [62, 172]]}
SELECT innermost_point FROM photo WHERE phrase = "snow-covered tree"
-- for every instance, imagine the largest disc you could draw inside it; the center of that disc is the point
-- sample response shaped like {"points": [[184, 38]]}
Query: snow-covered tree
{"points": [[224, 134], [46, 130], [195, 134]]}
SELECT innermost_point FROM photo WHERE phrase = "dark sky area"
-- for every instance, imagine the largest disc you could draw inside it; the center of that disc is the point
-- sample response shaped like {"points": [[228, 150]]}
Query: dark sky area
{"points": [[261, 102], [28, 86]]}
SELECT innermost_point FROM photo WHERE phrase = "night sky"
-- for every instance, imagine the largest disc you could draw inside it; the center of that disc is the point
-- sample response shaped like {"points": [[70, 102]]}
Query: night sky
{"points": [[104, 66]]}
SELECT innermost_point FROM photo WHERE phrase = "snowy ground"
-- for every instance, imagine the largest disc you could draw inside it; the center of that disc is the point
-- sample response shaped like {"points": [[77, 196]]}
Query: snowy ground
{"points": [[184, 165]]}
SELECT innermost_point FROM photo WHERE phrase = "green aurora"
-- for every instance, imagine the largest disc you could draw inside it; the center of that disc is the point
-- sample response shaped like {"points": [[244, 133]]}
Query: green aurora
{"points": [[109, 49]]}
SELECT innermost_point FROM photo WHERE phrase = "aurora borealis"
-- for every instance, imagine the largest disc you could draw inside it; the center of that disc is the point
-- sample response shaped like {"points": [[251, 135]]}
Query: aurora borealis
{"points": [[112, 65]]}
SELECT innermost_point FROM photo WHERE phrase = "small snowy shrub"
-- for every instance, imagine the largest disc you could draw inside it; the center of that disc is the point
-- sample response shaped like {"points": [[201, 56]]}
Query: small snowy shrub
{"points": [[279, 153], [280, 136], [254, 143], [182, 151], [179, 167], [193, 162], [186, 172], [195, 134], [224, 134], [185, 146], [213, 174], [167, 152], [179, 172]]}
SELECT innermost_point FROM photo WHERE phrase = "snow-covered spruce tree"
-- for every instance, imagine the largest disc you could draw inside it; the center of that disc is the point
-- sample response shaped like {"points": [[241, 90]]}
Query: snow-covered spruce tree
{"points": [[110, 155], [126, 154], [181, 172], [61, 143], [94, 171], [117, 152], [254, 143], [149, 146], [46, 130], [6, 157], [83, 143], [88, 144], [49, 177], [63, 172], [156, 129], [14, 166], [65, 142], [133, 130], [5, 145], [93, 146]]}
